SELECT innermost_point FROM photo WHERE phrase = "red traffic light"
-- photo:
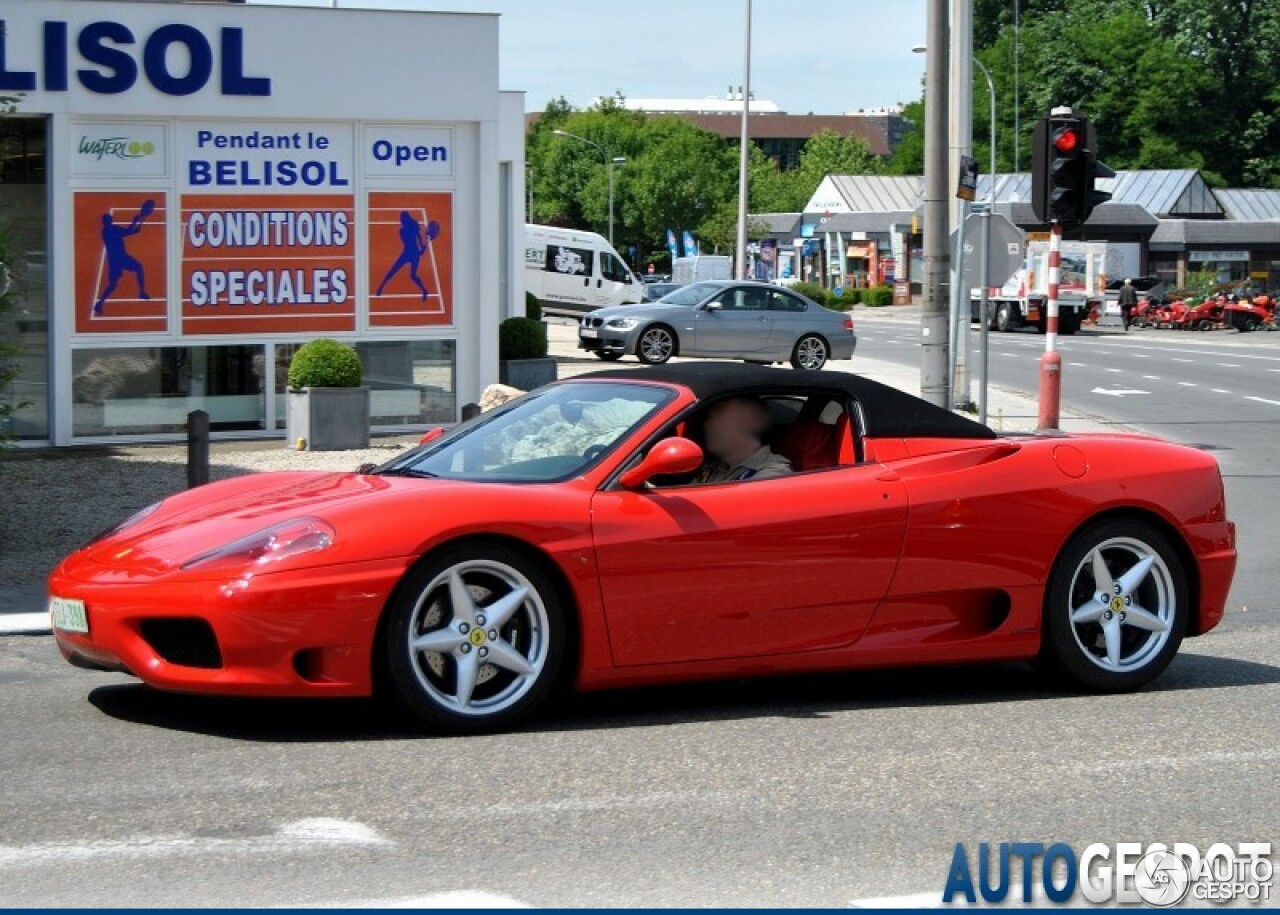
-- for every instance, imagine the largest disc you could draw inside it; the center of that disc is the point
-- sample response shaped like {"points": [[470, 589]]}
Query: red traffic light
{"points": [[1066, 140]]}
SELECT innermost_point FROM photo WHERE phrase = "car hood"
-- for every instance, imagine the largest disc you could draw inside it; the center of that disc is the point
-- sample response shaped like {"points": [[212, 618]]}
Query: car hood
{"points": [[644, 311], [372, 517]]}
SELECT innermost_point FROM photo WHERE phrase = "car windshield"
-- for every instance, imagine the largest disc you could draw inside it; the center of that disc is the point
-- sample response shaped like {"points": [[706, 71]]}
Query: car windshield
{"points": [[689, 295], [552, 434]]}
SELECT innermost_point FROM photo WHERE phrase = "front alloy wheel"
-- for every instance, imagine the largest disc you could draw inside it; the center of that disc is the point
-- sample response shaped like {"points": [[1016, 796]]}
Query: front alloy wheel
{"points": [[1116, 607], [810, 352], [657, 344], [475, 639]]}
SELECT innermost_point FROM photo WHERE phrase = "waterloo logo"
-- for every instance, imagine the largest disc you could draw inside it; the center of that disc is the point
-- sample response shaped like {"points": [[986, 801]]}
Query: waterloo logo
{"points": [[115, 148]]}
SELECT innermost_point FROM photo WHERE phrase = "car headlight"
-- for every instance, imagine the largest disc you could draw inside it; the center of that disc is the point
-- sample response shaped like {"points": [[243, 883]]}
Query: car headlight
{"points": [[622, 323], [268, 546], [126, 523]]}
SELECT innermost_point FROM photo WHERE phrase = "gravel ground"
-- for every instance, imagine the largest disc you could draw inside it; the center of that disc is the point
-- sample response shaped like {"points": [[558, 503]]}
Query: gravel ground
{"points": [[55, 500]]}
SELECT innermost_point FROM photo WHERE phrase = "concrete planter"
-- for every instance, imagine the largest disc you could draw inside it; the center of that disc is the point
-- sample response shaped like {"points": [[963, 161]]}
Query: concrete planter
{"points": [[328, 419], [527, 374]]}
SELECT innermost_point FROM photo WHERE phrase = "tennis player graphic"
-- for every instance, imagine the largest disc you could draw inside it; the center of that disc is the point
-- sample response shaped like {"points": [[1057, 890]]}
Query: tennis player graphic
{"points": [[119, 260], [414, 239]]}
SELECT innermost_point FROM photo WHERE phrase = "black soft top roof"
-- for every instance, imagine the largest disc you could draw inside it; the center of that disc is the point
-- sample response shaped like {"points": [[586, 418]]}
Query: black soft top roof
{"points": [[889, 413]]}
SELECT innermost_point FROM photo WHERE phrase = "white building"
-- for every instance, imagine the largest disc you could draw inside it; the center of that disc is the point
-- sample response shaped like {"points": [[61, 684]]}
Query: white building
{"points": [[195, 190]]}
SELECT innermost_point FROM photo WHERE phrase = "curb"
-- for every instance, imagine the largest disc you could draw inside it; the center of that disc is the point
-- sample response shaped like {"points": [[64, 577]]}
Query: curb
{"points": [[25, 624]]}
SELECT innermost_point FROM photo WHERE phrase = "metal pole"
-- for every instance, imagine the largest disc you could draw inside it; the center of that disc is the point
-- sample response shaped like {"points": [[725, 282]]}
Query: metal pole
{"points": [[610, 164], [955, 367], [744, 158], [1017, 86], [197, 448], [934, 383], [984, 278], [1051, 361], [960, 127]]}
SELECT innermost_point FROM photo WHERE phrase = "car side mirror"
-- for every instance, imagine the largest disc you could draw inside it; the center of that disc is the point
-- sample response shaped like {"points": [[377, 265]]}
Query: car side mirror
{"points": [[713, 306], [366, 468], [671, 455]]}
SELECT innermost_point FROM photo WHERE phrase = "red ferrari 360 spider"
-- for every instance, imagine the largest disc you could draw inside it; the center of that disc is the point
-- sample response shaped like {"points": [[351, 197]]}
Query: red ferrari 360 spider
{"points": [[566, 535]]}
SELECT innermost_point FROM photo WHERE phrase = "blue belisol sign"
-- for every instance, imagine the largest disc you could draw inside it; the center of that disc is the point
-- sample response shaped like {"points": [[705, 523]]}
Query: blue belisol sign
{"points": [[107, 58]]}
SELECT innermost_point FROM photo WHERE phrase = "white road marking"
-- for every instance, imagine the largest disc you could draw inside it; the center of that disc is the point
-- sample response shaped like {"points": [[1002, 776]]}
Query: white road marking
{"points": [[1229, 365], [24, 623], [1274, 403], [1151, 377], [1188, 384], [309, 835], [1117, 392], [1010, 355], [1220, 390], [1079, 365], [1140, 356], [1180, 359], [1115, 370]]}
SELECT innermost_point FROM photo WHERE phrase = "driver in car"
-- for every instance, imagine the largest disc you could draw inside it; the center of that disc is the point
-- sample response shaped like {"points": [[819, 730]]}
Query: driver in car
{"points": [[734, 432]]}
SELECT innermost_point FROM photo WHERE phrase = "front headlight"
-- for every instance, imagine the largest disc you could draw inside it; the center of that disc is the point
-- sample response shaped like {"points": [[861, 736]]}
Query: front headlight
{"points": [[622, 323], [268, 546]]}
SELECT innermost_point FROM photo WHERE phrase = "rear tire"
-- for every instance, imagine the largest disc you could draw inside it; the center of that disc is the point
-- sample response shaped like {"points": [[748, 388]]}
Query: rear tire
{"points": [[810, 353], [1116, 607], [1004, 319]]}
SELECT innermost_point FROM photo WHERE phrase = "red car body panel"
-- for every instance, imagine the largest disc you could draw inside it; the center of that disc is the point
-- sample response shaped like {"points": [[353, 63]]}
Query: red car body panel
{"points": [[929, 551]]}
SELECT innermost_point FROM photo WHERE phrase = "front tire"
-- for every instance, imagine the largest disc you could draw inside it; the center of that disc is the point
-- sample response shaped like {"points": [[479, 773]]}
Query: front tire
{"points": [[475, 639], [1004, 320], [810, 352], [656, 345], [1116, 607]]}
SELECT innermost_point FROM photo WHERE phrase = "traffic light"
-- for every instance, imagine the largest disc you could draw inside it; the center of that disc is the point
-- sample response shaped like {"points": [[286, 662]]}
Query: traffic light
{"points": [[1064, 169]]}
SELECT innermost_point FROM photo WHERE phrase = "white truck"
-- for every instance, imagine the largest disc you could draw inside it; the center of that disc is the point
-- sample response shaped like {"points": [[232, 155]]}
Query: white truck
{"points": [[573, 272], [1023, 300], [686, 270]]}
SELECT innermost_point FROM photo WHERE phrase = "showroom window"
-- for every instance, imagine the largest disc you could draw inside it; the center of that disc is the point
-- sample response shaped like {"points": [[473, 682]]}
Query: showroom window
{"points": [[410, 382], [150, 390], [24, 212]]}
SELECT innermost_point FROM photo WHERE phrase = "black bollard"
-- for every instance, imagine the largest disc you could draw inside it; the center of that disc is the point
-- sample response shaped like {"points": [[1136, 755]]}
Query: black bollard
{"points": [[197, 448], [470, 411]]}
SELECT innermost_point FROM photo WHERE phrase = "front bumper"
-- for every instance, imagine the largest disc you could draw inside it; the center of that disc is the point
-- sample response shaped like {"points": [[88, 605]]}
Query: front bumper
{"points": [[299, 633], [608, 340]]}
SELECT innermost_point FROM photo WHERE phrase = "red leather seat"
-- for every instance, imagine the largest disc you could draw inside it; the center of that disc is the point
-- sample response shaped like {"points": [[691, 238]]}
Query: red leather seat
{"points": [[810, 445]]}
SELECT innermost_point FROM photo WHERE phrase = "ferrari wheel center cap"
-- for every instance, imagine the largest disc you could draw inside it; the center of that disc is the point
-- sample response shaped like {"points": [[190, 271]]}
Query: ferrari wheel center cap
{"points": [[1117, 604], [477, 637]]}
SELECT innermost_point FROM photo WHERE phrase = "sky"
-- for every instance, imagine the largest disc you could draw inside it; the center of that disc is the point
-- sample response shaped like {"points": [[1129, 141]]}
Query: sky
{"points": [[825, 58]]}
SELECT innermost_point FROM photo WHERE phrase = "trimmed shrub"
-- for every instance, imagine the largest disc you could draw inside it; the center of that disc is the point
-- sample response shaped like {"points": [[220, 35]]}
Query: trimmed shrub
{"points": [[854, 296], [811, 291], [532, 307], [325, 363], [522, 338], [878, 296]]}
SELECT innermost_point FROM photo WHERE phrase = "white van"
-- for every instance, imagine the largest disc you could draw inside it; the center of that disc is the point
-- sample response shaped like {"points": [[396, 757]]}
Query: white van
{"points": [[686, 270], [573, 272]]}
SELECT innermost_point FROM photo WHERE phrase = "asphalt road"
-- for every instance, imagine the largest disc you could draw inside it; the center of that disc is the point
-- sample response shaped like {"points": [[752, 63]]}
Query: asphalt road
{"points": [[816, 791], [1216, 390]]}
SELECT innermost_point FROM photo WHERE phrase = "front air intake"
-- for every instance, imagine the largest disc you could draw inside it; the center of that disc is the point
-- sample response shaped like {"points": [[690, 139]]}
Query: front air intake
{"points": [[185, 641]]}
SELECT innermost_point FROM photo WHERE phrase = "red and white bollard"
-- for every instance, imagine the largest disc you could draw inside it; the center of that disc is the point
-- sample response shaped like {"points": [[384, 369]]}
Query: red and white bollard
{"points": [[1051, 361]]}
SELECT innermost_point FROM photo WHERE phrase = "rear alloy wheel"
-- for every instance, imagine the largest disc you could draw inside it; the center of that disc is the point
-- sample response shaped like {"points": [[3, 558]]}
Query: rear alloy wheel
{"points": [[1116, 607], [656, 345], [475, 639], [810, 352]]}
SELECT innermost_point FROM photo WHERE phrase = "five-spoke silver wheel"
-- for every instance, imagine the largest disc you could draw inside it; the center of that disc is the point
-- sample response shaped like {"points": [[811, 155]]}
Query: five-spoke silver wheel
{"points": [[657, 344], [475, 638], [1116, 606], [1126, 604]]}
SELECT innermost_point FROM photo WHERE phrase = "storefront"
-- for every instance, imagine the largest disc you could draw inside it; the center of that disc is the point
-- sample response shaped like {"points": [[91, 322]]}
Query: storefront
{"points": [[192, 191]]}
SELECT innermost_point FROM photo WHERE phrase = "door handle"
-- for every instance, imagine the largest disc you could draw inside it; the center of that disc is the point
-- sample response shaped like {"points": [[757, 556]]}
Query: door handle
{"points": [[586, 281]]}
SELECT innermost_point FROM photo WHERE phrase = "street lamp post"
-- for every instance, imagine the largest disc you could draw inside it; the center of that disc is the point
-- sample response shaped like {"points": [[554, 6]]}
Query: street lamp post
{"points": [[609, 162], [740, 252], [963, 325]]}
